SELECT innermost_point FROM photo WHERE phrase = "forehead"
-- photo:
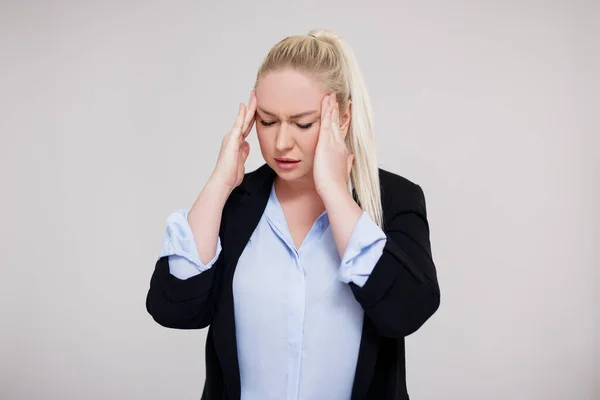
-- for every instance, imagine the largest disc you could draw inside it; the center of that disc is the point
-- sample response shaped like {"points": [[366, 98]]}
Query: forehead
{"points": [[289, 92]]}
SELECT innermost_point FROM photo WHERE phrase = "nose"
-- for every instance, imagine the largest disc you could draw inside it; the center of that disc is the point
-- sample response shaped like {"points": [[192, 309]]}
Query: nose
{"points": [[284, 140]]}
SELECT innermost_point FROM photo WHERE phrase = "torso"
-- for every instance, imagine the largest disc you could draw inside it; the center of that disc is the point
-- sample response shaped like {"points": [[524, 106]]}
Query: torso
{"points": [[295, 320]]}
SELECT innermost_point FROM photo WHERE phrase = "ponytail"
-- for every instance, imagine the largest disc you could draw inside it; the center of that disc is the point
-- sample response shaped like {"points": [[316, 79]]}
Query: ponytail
{"points": [[364, 177]]}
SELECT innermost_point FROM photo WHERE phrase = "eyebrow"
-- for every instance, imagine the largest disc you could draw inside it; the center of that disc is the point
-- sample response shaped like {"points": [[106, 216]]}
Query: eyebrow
{"points": [[299, 115]]}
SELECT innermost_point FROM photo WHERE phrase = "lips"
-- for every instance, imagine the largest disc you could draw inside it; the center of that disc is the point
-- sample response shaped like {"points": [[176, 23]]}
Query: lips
{"points": [[286, 160], [287, 164]]}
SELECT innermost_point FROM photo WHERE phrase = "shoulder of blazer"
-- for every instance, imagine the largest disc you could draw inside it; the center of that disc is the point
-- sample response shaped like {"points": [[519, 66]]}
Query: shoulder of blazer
{"points": [[255, 183], [400, 195]]}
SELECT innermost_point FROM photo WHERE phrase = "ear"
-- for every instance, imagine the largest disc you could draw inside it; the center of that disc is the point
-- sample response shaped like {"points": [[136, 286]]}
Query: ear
{"points": [[345, 119]]}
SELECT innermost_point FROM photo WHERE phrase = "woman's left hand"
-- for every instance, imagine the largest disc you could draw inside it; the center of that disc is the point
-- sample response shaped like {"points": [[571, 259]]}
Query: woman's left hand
{"points": [[333, 162]]}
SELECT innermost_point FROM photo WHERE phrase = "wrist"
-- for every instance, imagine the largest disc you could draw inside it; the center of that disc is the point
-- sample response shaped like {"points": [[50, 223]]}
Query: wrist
{"points": [[333, 194], [217, 190]]}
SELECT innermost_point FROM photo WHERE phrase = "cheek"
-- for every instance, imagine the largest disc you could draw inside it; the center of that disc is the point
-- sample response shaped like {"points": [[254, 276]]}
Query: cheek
{"points": [[308, 141], [262, 137]]}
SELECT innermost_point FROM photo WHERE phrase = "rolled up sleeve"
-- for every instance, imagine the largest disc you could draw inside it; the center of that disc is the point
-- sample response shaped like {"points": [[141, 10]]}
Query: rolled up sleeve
{"points": [[363, 251], [179, 245]]}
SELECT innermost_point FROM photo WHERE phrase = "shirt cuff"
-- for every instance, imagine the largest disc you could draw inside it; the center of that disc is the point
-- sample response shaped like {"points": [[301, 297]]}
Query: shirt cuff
{"points": [[363, 252], [179, 245]]}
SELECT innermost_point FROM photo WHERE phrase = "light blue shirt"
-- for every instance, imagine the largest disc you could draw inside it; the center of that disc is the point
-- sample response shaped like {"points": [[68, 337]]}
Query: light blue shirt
{"points": [[298, 325]]}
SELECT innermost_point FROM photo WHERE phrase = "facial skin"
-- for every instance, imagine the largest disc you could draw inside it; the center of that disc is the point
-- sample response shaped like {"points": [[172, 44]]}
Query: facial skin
{"points": [[282, 96]]}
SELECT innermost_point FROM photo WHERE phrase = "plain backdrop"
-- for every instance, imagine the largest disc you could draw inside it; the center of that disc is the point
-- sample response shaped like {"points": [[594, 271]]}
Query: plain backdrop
{"points": [[111, 117]]}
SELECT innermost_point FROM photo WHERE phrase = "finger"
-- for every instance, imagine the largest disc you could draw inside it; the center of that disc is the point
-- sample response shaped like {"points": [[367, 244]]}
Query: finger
{"points": [[324, 106], [249, 129], [325, 117], [331, 131], [252, 117], [240, 171], [249, 114], [335, 123], [237, 126]]}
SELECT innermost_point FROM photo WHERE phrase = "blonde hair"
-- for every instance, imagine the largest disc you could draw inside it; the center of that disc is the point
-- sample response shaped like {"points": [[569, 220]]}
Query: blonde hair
{"points": [[324, 55]]}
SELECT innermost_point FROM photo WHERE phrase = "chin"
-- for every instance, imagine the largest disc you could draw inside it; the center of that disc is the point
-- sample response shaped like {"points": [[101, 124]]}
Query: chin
{"points": [[295, 174]]}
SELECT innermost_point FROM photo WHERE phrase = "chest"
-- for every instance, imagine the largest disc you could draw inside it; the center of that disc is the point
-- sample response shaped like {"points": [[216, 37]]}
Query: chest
{"points": [[273, 267], [299, 220], [273, 278]]}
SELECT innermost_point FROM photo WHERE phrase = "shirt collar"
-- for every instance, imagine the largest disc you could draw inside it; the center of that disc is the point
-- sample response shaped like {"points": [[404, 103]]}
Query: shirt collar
{"points": [[274, 213]]}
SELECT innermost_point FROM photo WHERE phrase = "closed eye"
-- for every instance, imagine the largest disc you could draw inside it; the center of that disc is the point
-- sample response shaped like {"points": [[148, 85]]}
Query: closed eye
{"points": [[305, 126], [301, 126]]}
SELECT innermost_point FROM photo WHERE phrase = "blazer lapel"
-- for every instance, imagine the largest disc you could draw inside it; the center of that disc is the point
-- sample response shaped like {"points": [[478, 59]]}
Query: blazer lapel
{"points": [[253, 195]]}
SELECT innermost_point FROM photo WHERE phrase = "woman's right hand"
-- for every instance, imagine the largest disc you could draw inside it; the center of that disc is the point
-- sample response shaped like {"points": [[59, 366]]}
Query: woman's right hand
{"points": [[230, 168]]}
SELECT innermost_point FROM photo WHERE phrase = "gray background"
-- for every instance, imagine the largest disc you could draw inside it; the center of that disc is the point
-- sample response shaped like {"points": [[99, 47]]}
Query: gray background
{"points": [[111, 116]]}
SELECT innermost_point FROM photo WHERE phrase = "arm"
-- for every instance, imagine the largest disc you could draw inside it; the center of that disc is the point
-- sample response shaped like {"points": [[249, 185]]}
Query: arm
{"points": [[205, 219], [180, 288], [398, 290], [180, 294]]}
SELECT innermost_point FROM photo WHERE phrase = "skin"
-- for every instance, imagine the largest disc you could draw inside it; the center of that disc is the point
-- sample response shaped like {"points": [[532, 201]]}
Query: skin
{"points": [[316, 139]]}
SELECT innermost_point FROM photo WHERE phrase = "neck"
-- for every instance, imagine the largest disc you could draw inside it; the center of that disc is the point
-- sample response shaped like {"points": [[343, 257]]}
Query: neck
{"points": [[304, 189]]}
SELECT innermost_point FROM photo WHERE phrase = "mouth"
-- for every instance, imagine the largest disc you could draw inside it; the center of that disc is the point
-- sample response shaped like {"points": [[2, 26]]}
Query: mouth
{"points": [[287, 160], [286, 164]]}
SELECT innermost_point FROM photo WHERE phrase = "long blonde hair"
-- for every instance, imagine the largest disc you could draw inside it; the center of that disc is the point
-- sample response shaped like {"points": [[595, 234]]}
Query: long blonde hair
{"points": [[323, 54]]}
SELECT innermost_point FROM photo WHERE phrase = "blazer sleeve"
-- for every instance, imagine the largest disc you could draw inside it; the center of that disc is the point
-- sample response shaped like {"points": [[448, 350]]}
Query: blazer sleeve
{"points": [[402, 291], [182, 290], [177, 303]]}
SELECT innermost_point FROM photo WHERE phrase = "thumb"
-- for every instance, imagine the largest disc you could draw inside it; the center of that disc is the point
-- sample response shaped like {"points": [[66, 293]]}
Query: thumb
{"points": [[245, 150]]}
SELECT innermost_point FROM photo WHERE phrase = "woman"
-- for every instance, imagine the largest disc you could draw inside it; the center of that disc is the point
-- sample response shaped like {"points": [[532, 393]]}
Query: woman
{"points": [[312, 269]]}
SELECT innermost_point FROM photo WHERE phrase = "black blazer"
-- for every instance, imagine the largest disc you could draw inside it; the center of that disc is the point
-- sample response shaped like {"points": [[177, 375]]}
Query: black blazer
{"points": [[401, 293]]}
